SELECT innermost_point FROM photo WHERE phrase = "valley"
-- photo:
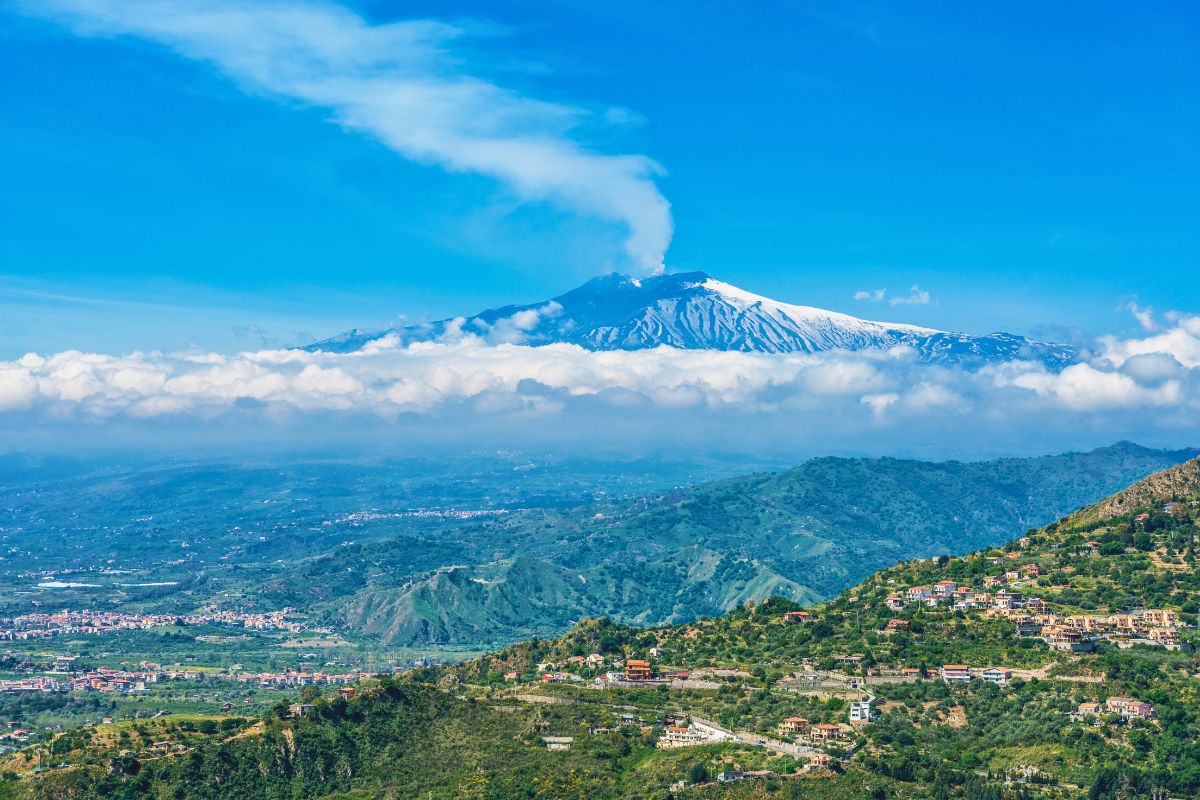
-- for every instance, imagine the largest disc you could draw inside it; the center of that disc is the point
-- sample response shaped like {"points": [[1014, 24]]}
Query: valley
{"points": [[402, 555]]}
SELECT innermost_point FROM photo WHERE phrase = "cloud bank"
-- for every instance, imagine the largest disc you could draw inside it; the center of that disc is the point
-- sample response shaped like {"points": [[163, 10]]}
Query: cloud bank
{"points": [[1131, 387], [404, 84]]}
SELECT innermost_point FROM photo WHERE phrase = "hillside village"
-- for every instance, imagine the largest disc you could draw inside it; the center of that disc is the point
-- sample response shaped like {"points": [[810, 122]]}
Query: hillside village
{"points": [[1049, 589]]}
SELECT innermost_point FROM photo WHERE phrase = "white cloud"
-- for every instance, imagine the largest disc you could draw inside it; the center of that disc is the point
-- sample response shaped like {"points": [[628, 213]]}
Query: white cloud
{"points": [[1181, 342], [405, 84], [1133, 377], [929, 396], [1082, 387], [18, 388], [873, 296], [1144, 316], [879, 403], [916, 297], [1152, 369], [514, 329]]}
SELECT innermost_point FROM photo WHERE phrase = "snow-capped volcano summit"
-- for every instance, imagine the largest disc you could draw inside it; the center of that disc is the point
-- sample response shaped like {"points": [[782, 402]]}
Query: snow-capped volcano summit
{"points": [[693, 311]]}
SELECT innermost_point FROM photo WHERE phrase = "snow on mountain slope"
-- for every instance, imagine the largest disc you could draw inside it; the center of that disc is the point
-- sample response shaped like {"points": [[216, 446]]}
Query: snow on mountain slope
{"points": [[693, 311]]}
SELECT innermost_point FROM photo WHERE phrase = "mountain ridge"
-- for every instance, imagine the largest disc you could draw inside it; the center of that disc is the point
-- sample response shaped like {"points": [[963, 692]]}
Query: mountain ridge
{"points": [[806, 533], [693, 311]]}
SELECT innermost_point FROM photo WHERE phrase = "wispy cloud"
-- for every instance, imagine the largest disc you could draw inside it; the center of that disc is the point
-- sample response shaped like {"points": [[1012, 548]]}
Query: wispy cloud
{"points": [[916, 297], [405, 84], [1144, 316]]}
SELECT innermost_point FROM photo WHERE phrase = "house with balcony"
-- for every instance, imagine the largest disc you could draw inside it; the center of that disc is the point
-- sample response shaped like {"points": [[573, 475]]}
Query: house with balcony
{"points": [[956, 673], [860, 711], [637, 669], [824, 733], [1005, 601], [996, 675], [1069, 641], [792, 726], [918, 594], [944, 588], [676, 736], [1129, 707]]}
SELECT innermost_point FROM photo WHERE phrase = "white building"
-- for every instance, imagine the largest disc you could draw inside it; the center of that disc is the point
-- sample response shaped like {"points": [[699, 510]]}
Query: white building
{"points": [[860, 711], [996, 675], [956, 673]]}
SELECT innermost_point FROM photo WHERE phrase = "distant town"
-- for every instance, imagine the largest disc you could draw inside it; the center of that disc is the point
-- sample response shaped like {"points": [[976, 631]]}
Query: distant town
{"points": [[41, 626]]}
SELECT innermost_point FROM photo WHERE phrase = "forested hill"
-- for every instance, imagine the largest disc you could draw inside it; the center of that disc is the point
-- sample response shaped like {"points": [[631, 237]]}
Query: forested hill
{"points": [[1144, 558], [806, 534]]}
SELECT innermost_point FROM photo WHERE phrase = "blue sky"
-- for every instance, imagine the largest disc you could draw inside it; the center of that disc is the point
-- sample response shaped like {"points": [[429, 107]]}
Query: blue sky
{"points": [[1029, 165]]}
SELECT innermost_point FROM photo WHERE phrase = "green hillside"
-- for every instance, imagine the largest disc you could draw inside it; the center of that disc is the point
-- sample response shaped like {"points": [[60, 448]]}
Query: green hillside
{"points": [[407, 739], [805, 534], [1114, 578]]}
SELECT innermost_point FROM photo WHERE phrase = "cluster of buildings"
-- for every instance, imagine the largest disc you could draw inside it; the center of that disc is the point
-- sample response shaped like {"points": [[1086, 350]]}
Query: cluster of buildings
{"points": [[290, 679], [618, 673], [559, 671], [966, 598], [15, 733], [1125, 707], [690, 734], [40, 683], [961, 673], [1034, 618], [800, 729], [122, 681], [642, 674], [40, 626], [1079, 632]]}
